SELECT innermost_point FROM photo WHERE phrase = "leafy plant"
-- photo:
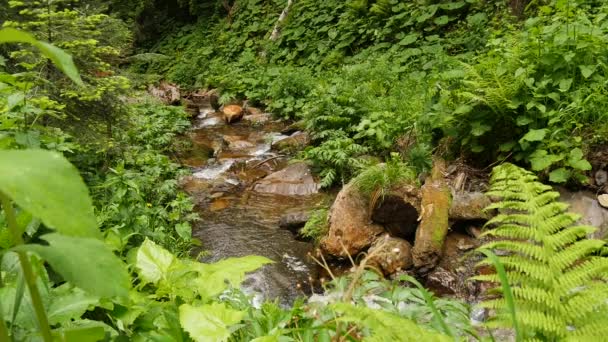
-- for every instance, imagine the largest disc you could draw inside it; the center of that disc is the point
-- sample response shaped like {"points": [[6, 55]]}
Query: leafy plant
{"points": [[557, 278], [335, 159], [317, 225]]}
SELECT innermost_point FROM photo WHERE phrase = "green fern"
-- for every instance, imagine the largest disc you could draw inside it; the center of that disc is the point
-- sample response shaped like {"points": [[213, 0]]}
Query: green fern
{"points": [[557, 276]]}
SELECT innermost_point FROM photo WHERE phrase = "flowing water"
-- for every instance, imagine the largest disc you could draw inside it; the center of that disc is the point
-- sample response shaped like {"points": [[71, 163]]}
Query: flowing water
{"points": [[226, 161]]}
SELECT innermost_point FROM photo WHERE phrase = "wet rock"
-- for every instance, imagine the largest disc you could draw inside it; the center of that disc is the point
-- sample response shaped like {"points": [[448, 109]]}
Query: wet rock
{"points": [[254, 111], [601, 178], [293, 143], [205, 98], [228, 139], [219, 204], [350, 227], [295, 179], [232, 113], [603, 200], [240, 145], [293, 221], [168, 93], [469, 206], [391, 254], [586, 204], [293, 128], [442, 282], [258, 118], [398, 212]]}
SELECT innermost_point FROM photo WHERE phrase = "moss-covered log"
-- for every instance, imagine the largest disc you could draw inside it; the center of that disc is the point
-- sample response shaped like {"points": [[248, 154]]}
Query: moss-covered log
{"points": [[434, 219]]}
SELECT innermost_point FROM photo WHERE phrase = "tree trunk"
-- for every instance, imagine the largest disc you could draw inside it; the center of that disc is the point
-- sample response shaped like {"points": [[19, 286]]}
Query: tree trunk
{"points": [[434, 219], [276, 32]]}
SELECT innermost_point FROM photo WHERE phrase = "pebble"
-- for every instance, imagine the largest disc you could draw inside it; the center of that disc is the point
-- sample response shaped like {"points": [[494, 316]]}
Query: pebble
{"points": [[603, 199]]}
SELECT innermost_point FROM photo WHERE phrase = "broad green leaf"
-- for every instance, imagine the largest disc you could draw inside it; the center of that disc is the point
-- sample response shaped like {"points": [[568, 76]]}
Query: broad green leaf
{"points": [[60, 58], [45, 184], [184, 230], [587, 70], [83, 334], [478, 129], [409, 39], [577, 161], [215, 278], [560, 175], [442, 20], [153, 262], [68, 303], [86, 263], [209, 322], [565, 84], [541, 160], [534, 135]]}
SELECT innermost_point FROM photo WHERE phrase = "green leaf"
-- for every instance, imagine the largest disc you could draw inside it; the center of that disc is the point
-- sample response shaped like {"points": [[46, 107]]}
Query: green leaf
{"points": [[565, 84], [215, 278], [541, 160], [442, 20], [560, 175], [69, 303], [86, 263], [478, 129], [409, 39], [577, 161], [153, 262], [45, 184], [209, 322], [587, 70], [60, 58], [534, 135], [184, 230]]}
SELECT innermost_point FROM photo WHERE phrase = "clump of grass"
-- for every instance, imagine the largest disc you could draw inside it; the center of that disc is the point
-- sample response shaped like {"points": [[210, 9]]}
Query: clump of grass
{"points": [[378, 179], [317, 226]]}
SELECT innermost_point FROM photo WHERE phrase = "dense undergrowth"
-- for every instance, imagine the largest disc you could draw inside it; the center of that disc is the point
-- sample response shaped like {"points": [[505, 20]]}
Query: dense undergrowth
{"points": [[95, 232], [468, 79]]}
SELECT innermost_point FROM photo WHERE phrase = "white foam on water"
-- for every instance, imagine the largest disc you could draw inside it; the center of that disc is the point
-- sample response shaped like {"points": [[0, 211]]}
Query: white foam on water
{"points": [[294, 263], [212, 172], [213, 121]]}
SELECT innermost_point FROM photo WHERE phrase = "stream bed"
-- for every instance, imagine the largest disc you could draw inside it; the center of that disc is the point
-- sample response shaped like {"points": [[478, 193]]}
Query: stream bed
{"points": [[239, 218]]}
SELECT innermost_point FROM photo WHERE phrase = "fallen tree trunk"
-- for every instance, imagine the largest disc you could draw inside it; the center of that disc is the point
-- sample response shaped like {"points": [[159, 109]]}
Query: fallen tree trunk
{"points": [[434, 219], [276, 32]]}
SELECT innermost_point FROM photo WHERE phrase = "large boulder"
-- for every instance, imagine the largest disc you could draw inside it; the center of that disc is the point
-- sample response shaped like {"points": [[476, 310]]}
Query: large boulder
{"points": [[350, 228], [470, 206], [390, 255], [586, 204], [233, 113], [295, 179], [293, 143]]}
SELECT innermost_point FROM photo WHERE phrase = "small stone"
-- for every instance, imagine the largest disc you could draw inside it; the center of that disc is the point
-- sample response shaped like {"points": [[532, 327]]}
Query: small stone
{"points": [[257, 118], [391, 254], [442, 282], [254, 111], [465, 245], [601, 177], [603, 199]]}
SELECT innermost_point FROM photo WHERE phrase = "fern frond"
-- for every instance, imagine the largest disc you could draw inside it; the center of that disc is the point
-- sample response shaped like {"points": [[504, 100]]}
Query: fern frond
{"points": [[521, 247], [558, 277], [568, 236], [575, 252]]}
